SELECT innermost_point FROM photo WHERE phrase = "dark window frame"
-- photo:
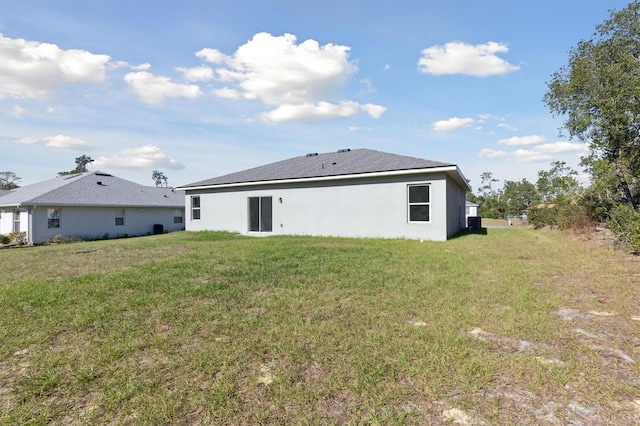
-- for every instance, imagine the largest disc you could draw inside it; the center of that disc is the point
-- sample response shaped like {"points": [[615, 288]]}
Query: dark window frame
{"points": [[195, 207], [260, 213], [419, 203]]}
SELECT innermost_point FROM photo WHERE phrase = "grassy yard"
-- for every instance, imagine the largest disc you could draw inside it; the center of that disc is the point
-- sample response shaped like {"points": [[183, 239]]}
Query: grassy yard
{"points": [[513, 327]]}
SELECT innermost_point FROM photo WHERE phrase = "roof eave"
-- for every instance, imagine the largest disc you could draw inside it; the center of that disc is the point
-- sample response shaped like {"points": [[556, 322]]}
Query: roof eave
{"points": [[451, 170]]}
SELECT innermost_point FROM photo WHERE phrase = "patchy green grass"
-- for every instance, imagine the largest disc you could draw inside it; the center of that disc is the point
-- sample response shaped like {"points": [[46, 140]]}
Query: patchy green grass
{"points": [[516, 326]]}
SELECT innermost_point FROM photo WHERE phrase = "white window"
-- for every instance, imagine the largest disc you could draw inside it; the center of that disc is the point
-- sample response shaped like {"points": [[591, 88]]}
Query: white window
{"points": [[260, 214], [419, 203], [195, 208], [119, 217], [177, 216], [53, 218], [16, 221]]}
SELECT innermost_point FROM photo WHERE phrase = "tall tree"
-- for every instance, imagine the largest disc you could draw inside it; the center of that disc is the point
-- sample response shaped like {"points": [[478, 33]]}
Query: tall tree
{"points": [[599, 93], [558, 182], [518, 196], [159, 178], [9, 180], [81, 166]]}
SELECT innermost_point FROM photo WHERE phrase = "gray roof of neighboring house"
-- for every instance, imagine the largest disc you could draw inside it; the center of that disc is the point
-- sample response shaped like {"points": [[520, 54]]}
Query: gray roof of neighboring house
{"points": [[343, 162], [92, 189]]}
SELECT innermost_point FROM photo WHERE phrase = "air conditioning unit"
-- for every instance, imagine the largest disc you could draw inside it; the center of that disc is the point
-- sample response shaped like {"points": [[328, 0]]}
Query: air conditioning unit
{"points": [[474, 223]]}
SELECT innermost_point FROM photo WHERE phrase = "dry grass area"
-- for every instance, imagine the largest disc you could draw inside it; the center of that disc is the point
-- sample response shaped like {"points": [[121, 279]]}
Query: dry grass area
{"points": [[517, 326]]}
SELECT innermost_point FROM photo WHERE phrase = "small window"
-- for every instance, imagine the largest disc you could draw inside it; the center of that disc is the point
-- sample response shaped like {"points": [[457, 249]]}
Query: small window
{"points": [[53, 218], [177, 216], [195, 208], [119, 217], [16, 221], [419, 203]]}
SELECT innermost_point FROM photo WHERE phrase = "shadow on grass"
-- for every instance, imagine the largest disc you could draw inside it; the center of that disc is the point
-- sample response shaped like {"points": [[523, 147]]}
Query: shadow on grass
{"points": [[467, 232]]}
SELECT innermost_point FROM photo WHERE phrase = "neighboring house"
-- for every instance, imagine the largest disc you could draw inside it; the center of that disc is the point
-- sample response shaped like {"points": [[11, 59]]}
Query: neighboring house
{"points": [[471, 209], [349, 193], [88, 206]]}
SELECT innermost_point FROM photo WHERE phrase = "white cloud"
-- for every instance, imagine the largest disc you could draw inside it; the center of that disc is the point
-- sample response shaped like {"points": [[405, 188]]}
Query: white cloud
{"points": [[311, 112], [152, 89], [368, 87], [297, 80], [143, 157], [211, 55], [30, 69], [375, 111], [461, 58], [123, 64], [559, 147], [522, 140], [492, 153], [227, 93], [67, 142], [201, 73], [508, 127], [17, 111], [28, 141], [454, 123], [531, 156]]}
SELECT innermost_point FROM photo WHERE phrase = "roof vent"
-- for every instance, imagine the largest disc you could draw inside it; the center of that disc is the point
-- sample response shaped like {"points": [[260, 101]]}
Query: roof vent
{"points": [[313, 154], [100, 183], [344, 150]]}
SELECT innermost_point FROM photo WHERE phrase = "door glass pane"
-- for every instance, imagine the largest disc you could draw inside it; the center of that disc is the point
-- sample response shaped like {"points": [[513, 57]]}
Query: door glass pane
{"points": [[254, 214], [265, 214]]}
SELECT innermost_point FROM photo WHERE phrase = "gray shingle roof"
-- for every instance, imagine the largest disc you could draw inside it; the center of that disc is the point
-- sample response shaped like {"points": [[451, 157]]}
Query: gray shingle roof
{"points": [[349, 162], [92, 189]]}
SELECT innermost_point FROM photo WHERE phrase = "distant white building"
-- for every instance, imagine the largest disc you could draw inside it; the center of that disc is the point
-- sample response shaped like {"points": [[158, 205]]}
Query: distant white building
{"points": [[349, 193], [88, 206], [471, 209]]}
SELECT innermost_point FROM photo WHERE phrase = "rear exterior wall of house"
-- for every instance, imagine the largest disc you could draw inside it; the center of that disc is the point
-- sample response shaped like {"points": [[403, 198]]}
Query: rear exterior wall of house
{"points": [[363, 207]]}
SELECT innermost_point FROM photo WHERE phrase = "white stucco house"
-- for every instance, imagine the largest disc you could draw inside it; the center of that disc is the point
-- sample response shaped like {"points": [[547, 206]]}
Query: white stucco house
{"points": [[349, 193], [88, 206]]}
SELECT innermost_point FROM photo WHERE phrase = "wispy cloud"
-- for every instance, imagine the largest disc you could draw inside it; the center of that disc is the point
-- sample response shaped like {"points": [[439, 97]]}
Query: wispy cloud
{"points": [[492, 153], [522, 140], [201, 73], [58, 142], [143, 157], [153, 89], [538, 151], [453, 123]]}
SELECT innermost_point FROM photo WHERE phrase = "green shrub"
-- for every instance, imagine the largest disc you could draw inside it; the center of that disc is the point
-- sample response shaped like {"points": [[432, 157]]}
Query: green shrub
{"points": [[4, 239], [18, 238], [562, 215], [573, 217], [624, 222], [544, 215]]}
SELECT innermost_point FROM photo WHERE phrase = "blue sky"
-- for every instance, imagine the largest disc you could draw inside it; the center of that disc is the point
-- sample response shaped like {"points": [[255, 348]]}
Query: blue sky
{"points": [[197, 89]]}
